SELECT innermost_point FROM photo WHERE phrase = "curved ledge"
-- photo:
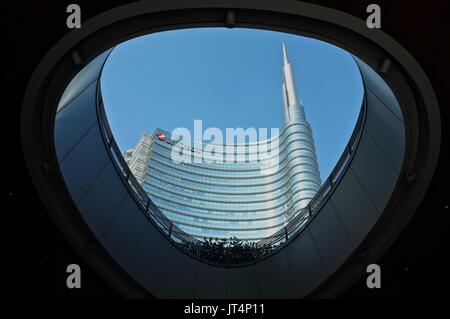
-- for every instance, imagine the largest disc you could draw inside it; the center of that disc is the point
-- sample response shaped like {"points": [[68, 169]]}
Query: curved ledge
{"points": [[104, 221]]}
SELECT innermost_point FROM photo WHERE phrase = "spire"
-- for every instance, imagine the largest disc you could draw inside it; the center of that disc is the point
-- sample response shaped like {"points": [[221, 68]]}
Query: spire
{"points": [[285, 55], [288, 83]]}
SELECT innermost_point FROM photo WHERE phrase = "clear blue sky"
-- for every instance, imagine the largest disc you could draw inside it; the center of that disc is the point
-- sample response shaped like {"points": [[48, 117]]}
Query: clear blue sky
{"points": [[229, 78]]}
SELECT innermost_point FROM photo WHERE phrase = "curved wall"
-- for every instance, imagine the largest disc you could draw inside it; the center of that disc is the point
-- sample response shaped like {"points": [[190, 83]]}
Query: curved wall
{"points": [[162, 269], [359, 222]]}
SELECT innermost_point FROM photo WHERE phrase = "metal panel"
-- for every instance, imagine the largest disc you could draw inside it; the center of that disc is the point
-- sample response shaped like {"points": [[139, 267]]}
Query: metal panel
{"points": [[357, 212], [211, 282], [122, 234], [102, 200], [84, 163], [179, 275], [74, 121], [331, 238], [378, 86], [275, 278], [386, 130], [83, 79], [375, 173], [307, 268], [242, 283], [147, 262]]}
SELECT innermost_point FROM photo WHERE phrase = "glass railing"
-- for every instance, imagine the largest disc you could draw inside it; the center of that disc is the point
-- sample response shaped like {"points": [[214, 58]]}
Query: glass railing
{"points": [[230, 252]]}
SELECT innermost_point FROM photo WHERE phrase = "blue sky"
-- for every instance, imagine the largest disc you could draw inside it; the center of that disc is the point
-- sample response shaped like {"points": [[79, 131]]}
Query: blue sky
{"points": [[229, 78]]}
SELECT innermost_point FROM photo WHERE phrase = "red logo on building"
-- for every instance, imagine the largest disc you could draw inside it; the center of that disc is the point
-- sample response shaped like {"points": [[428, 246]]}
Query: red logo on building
{"points": [[161, 136]]}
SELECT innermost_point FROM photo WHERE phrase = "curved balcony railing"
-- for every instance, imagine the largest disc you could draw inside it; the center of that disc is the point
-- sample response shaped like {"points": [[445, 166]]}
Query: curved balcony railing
{"points": [[230, 253]]}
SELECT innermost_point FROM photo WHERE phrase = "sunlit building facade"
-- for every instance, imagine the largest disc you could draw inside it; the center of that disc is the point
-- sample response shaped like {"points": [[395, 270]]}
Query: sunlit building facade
{"points": [[249, 198]]}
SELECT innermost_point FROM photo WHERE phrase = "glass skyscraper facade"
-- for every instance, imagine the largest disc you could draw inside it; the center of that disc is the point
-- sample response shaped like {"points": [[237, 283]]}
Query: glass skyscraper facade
{"points": [[249, 198]]}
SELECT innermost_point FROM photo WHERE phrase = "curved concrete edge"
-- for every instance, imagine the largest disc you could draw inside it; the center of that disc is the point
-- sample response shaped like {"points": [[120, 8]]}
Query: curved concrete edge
{"points": [[45, 178], [165, 271]]}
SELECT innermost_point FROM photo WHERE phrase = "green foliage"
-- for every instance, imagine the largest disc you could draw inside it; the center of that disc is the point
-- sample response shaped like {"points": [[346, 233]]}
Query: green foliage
{"points": [[228, 251]]}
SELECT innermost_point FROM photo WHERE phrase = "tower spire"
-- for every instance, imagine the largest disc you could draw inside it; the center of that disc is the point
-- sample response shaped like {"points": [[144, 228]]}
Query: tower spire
{"points": [[289, 93], [285, 54]]}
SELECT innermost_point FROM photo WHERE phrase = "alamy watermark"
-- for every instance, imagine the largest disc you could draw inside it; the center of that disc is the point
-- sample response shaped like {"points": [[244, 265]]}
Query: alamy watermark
{"points": [[74, 278], [374, 279], [73, 20], [235, 145], [373, 21]]}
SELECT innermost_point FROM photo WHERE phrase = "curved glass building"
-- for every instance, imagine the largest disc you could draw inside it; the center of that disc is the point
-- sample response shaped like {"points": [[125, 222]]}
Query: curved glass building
{"points": [[250, 197]]}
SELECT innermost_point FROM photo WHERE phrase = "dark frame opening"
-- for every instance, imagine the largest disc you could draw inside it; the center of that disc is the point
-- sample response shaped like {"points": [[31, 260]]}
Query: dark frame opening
{"points": [[404, 76]]}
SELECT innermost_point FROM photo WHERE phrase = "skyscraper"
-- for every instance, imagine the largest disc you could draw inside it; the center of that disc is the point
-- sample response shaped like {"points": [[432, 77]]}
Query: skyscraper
{"points": [[247, 199]]}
